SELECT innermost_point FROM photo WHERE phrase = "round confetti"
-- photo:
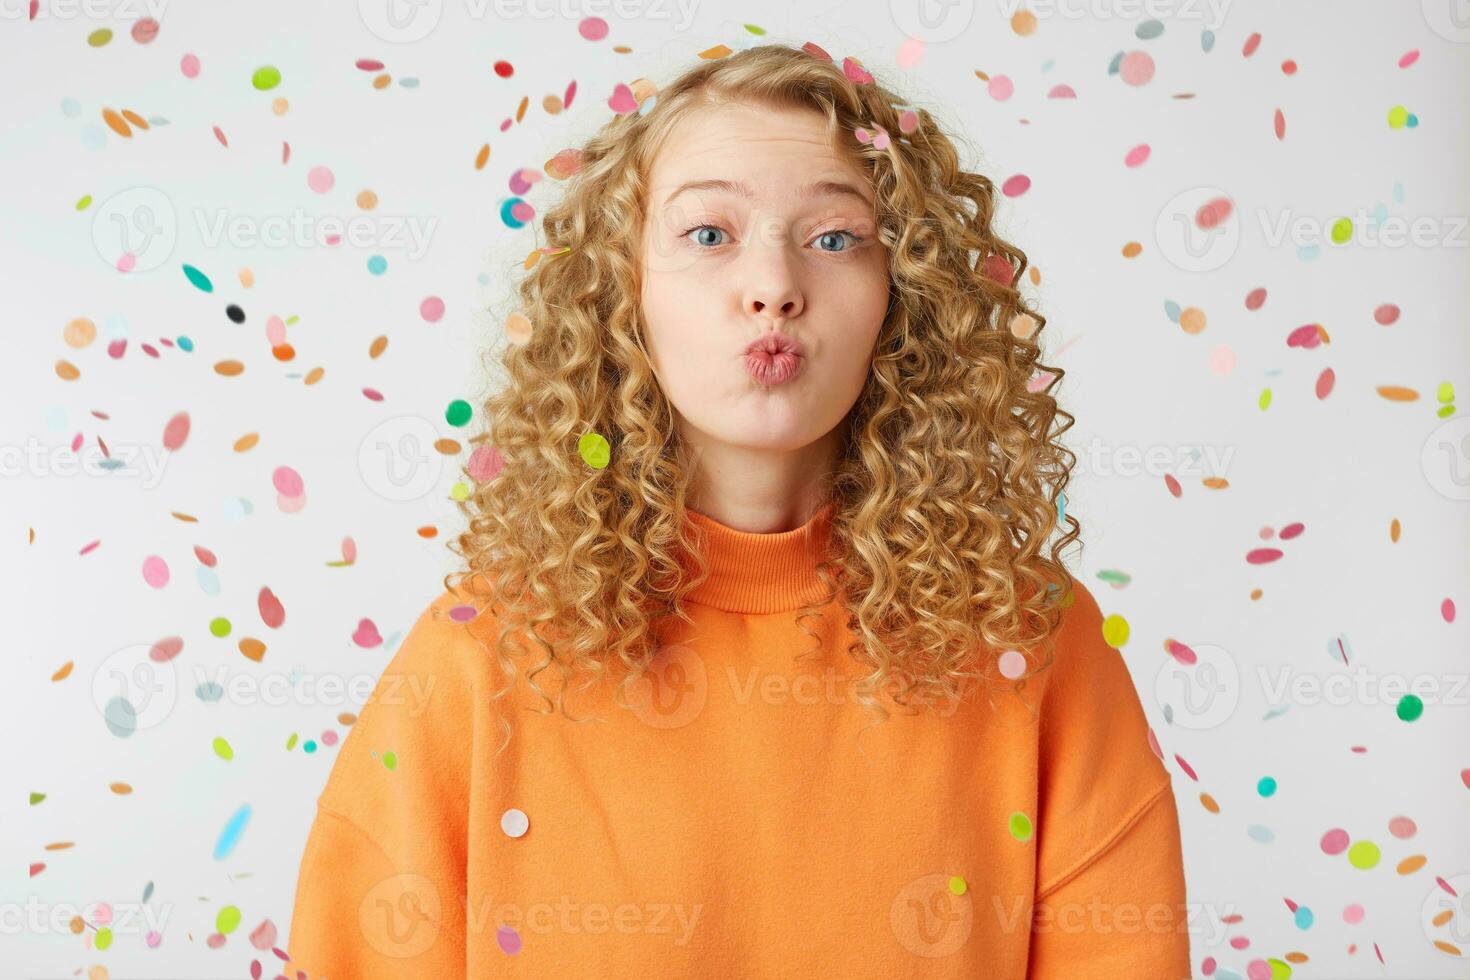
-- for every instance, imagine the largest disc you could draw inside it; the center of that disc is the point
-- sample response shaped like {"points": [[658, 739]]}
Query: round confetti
{"points": [[1266, 786], [504, 69], [320, 179], [1115, 631], [514, 822], [1363, 854], [1136, 68], [1352, 914], [1020, 826], [508, 940], [1001, 88], [458, 412], [485, 464], [1304, 917], [1411, 706], [1012, 664], [145, 30], [594, 450], [1402, 827], [219, 626], [1335, 841], [1016, 186], [431, 309], [189, 65], [518, 329], [79, 333], [390, 760], [266, 78], [592, 28], [155, 571]]}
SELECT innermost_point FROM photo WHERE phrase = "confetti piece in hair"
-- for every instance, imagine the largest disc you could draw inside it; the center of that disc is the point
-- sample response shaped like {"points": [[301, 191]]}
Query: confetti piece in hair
{"points": [[716, 52], [855, 72], [594, 450], [816, 51]]}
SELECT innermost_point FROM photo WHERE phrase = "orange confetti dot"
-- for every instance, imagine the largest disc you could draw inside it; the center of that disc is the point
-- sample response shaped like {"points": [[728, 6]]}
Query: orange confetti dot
{"points": [[1393, 530], [447, 447], [718, 51], [1209, 803], [382, 81], [1132, 250], [79, 332], [121, 789], [1023, 22], [1216, 482], [1411, 864], [67, 371], [252, 648], [135, 119], [247, 442], [428, 531], [283, 352], [116, 123], [1192, 320], [482, 157], [367, 200], [377, 347], [314, 375], [229, 368], [1395, 393], [64, 671]]}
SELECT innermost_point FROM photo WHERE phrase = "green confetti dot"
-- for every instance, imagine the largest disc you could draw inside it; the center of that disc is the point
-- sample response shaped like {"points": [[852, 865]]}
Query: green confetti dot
{"points": [[1020, 826], [1397, 117], [103, 939], [97, 39], [458, 413], [1280, 969], [291, 742], [222, 749], [1264, 402], [1363, 854], [1410, 707], [37, 798], [1115, 631], [85, 202], [1342, 230], [1267, 786], [266, 77], [1445, 393], [219, 626], [595, 450], [957, 885], [228, 920], [390, 759], [199, 279]]}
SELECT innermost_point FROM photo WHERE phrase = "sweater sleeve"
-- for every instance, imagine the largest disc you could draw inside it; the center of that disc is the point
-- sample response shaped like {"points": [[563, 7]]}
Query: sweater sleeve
{"points": [[382, 881], [1110, 894]]}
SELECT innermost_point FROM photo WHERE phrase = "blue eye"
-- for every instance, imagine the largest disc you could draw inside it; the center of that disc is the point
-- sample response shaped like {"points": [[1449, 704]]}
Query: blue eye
{"points": [[702, 240], [837, 235]]}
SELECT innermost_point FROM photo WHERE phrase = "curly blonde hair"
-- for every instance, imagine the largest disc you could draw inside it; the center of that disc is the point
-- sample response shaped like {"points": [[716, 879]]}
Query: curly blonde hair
{"points": [[947, 490]]}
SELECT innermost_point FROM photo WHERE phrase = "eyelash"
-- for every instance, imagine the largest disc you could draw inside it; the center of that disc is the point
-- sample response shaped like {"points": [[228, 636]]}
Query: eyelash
{"points": [[855, 238]]}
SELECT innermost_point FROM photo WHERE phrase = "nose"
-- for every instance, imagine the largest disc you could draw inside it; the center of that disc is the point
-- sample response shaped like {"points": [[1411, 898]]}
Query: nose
{"points": [[772, 290]]}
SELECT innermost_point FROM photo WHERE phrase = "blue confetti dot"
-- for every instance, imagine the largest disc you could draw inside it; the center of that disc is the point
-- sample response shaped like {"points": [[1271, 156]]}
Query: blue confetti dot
{"points": [[377, 265], [1304, 917], [1267, 786]]}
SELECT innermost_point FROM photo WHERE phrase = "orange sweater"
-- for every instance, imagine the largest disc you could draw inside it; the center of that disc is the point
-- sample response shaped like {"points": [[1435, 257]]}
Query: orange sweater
{"points": [[730, 826]]}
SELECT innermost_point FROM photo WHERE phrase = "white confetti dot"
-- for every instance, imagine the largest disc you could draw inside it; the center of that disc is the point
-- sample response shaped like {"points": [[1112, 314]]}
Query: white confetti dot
{"points": [[514, 822]]}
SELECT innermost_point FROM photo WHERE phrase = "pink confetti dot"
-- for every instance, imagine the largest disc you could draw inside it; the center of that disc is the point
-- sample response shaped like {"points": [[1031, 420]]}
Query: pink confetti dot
{"points": [[910, 53], [287, 481], [1353, 914], [1335, 841], [1137, 68], [1409, 58], [1402, 827], [1012, 664], [522, 211], [329, 737], [463, 614], [1001, 88], [1016, 186], [1447, 610], [154, 939], [592, 28], [1258, 970], [290, 505], [1207, 966], [155, 571], [508, 939], [102, 915], [485, 464], [431, 309], [1222, 360], [1386, 314], [189, 65], [320, 179], [1239, 942], [127, 262], [1137, 155]]}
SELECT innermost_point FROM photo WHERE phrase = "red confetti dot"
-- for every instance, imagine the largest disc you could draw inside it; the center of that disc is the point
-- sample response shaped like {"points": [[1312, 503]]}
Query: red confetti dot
{"points": [[372, 394], [1251, 43], [1255, 299], [504, 69], [1212, 213], [1292, 530], [1280, 125], [1409, 58], [1325, 381], [1173, 485], [1288, 67], [1263, 556], [369, 64], [1188, 769], [1386, 314]]}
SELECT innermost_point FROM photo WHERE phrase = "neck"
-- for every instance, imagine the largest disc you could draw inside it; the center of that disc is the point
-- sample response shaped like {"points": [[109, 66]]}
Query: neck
{"points": [[762, 491]]}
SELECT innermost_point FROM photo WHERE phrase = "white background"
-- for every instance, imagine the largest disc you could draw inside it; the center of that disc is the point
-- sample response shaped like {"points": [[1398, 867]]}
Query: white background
{"points": [[1345, 467]]}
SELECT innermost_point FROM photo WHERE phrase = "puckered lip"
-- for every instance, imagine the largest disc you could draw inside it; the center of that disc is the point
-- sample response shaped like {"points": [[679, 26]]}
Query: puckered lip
{"points": [[775, 342]]}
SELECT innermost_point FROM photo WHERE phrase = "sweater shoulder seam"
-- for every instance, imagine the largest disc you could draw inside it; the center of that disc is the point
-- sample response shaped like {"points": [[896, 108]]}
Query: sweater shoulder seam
{"points": [[1092, 856]]}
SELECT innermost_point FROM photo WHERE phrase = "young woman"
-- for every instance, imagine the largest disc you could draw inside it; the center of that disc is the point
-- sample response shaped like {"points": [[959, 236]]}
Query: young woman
{"points": [[757, 666]]}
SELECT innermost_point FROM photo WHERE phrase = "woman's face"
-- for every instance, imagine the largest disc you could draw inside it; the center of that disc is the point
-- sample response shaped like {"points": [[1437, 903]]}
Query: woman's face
{"points": [[758, 227]]}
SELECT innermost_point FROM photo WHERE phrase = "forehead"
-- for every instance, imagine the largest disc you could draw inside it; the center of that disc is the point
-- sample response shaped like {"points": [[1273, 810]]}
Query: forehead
{"points": [[757, 152]]}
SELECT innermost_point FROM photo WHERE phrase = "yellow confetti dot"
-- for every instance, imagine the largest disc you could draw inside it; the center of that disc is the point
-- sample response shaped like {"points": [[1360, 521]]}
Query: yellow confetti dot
{"points": [[1115, 631], [222, 749], [1363, 854], [957, 885], [594, 450], [460, 491]]}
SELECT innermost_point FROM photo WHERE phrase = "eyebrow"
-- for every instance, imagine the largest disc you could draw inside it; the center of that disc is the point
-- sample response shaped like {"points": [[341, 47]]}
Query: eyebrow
{"points": [[820, 188]]}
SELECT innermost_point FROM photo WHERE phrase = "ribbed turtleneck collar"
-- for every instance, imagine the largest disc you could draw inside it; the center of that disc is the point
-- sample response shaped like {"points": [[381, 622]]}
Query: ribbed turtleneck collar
{"points": [[758, 573]]}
